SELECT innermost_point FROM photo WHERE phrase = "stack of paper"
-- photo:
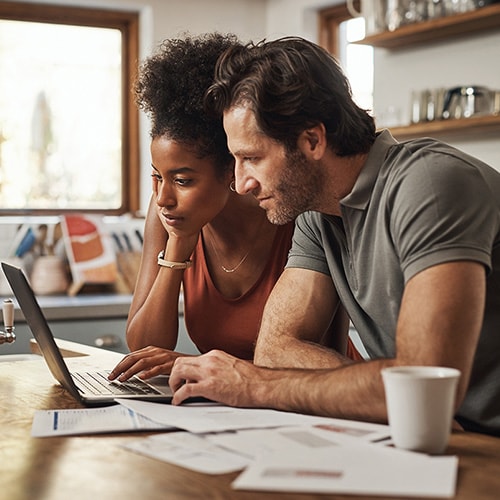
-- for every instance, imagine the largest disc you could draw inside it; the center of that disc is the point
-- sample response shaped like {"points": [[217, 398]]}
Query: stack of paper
{"points": [[277, 451]]}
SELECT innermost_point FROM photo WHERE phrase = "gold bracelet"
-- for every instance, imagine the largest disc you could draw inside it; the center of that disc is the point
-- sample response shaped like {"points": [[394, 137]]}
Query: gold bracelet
{"points": [[172, 265]]}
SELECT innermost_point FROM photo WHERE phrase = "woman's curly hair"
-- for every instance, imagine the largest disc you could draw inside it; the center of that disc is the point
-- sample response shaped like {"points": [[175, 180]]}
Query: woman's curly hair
{"points": [[170, 88]]}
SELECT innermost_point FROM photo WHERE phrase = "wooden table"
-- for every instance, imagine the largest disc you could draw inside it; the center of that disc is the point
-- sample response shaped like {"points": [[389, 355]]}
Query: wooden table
{"points": [[96, 467]]}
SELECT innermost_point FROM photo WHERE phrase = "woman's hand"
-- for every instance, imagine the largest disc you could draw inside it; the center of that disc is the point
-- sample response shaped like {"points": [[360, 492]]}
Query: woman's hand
{"points": [[180, 241], [146, 363]]}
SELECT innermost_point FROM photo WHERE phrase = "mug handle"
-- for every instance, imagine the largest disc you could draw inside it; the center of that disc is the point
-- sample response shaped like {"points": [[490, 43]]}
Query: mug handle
{"points": [[351, 9]]}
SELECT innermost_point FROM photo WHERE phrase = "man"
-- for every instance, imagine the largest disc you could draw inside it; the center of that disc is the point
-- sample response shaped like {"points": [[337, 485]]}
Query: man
{"points": [[405, 237]]}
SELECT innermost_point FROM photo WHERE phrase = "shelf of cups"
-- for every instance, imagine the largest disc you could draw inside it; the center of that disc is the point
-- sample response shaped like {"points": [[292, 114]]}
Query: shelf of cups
{"points": [[484, 18], [489, 125]]}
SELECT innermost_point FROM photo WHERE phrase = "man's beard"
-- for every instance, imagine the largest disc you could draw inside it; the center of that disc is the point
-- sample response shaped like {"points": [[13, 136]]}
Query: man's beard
{"points": [[298, 188]]}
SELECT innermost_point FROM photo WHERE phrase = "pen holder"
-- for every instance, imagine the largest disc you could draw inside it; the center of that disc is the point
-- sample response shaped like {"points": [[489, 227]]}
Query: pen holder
{"points": [[49, 275]]}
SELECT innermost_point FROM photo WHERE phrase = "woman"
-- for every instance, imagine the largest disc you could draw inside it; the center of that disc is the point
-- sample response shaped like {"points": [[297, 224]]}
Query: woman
{"points": [[199, 234]]}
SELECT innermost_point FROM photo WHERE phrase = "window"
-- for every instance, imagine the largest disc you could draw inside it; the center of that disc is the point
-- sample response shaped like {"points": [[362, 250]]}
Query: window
{"points": [[68, 123], [338, 29]]}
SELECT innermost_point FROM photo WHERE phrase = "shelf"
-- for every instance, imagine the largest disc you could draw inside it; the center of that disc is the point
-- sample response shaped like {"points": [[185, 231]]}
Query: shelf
{"points": [[458, 25], [484, 18], [465, 128]]}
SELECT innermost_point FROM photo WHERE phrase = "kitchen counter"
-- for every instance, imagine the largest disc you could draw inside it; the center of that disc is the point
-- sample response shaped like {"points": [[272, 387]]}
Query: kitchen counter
{"points": [[63, 307], [97, 320]]}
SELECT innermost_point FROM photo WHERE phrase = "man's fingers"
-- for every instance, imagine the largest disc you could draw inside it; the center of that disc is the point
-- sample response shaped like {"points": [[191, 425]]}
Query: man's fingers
{"points": [[181, 371], [184, 392]]}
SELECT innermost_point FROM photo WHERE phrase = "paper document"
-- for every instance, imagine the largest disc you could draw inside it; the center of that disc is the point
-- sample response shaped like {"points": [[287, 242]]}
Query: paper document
{"points": [[363, 469], [191, 451], [115, 418], [255, 443], [212, 417], [220, 453], [366, 431]]}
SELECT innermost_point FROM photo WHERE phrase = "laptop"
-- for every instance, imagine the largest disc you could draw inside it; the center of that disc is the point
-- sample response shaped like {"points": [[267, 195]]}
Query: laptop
{"points": [[89, 388]]}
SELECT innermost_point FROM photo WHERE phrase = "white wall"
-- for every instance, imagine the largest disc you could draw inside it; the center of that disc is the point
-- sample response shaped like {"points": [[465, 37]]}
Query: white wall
{"points": [[295, 17], [472, 60]]}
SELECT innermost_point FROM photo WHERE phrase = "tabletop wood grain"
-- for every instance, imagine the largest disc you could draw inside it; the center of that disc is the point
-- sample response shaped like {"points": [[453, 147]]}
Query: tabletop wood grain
{"points": [[97, 467]]}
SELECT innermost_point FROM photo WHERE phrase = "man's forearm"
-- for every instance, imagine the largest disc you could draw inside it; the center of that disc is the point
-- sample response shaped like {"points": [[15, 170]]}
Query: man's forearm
{"points": [[295, 353], [353, 392]]}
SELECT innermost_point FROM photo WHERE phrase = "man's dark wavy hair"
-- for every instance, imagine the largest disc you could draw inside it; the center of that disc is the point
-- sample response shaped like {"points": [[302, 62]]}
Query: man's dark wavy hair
{"points": [[291, 84], [170, 89]]}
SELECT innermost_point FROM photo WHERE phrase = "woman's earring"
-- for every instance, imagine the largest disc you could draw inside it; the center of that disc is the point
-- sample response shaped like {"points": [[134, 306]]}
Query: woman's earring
{"points": [[232, 186]]}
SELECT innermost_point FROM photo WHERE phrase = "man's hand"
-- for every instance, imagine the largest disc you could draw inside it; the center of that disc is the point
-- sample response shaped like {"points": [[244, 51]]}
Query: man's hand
{"points": [[217, 376], [148, 362]]}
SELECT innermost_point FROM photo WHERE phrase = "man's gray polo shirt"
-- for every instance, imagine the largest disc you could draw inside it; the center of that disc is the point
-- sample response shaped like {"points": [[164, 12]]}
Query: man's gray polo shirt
{"points": [[414, 205]]}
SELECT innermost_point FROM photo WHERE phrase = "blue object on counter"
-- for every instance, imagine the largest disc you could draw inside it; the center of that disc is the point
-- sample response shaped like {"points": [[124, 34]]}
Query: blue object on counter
{"points": [[27, 243]]}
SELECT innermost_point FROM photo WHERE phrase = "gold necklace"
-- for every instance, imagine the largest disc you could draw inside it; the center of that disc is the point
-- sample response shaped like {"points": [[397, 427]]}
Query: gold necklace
{"points": [[224, 268]]}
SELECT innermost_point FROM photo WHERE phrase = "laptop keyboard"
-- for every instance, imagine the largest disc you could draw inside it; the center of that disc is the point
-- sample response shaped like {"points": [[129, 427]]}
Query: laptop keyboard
{"points": [[98, 383]]}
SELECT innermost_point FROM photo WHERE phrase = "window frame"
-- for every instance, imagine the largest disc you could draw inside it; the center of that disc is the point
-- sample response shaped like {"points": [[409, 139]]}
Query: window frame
{"points": [[128, 24], [330, 20]]}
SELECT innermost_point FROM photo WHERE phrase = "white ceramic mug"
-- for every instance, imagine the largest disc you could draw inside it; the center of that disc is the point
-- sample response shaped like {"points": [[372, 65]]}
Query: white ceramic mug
{"points": [[373, 11], [420, 402]]}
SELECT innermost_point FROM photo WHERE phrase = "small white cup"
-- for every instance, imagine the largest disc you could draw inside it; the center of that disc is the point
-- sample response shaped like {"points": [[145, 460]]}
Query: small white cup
{"points": [[420, 402]]}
